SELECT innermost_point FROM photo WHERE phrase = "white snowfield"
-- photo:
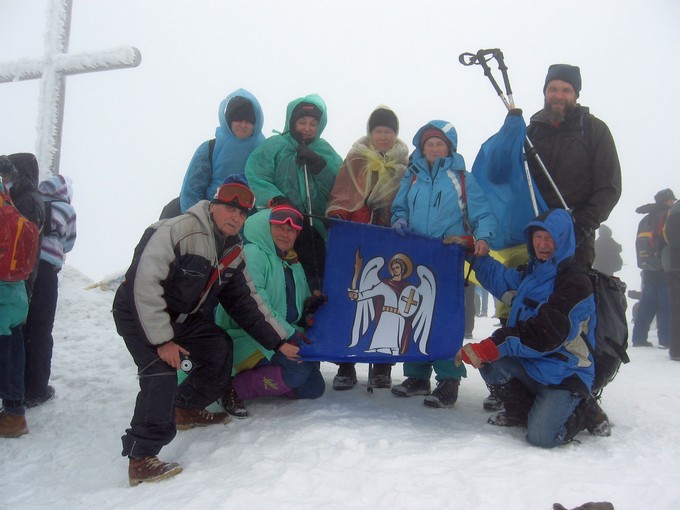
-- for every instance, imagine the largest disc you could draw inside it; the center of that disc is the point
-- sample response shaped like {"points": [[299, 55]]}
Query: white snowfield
{"points": [[347, 450]]}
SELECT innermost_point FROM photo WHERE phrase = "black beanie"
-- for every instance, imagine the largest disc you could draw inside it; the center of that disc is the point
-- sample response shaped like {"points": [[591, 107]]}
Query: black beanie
{"points": [[564, 72], [239, 108], [304, 110], [383, 117], [664, 195]]}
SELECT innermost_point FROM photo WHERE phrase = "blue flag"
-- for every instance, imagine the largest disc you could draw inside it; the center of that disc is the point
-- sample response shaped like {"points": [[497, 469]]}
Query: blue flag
{"points": [[500, 171], [390, 298]]}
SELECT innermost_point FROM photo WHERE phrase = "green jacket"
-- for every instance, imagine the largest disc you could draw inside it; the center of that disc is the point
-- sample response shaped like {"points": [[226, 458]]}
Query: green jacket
{"points": [[13, 305], [271, 169], [266, 271]]}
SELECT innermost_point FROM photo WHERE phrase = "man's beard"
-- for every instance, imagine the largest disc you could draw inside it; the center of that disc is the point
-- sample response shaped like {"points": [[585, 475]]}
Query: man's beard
{"points": [[558, 114]]}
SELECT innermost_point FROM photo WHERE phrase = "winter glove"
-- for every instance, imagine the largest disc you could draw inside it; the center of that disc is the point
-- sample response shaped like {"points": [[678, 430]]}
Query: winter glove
{"points": [[602, 505], [311, 305], [478, 354], [306, 156], [400, 226]]}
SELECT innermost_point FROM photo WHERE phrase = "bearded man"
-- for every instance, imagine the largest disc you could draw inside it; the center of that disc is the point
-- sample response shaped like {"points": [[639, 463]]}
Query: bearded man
{"points": [[579, 154]]}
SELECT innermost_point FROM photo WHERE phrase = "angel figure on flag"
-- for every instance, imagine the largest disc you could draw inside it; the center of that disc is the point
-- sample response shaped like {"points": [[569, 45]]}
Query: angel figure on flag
{"points": [[397, 307]]}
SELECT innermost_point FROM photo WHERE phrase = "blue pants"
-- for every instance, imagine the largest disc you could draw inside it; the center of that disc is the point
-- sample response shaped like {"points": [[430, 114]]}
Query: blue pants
{"points": [[551, 409], [304, 378], [12, 359], [654, 301]]}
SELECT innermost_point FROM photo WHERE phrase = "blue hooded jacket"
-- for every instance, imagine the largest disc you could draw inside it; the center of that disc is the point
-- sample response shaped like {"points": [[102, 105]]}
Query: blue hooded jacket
{"points": [[430, 200], [548, 312], [229, 155]]}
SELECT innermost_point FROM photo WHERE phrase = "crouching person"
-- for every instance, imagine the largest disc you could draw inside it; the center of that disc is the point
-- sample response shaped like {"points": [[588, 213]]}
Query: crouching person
{"points": [[539, 365], [280, 279], [164, 310]]}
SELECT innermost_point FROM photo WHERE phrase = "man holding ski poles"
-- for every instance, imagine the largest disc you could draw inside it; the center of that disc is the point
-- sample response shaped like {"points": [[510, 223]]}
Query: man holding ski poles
{"points": [[579, 154]]}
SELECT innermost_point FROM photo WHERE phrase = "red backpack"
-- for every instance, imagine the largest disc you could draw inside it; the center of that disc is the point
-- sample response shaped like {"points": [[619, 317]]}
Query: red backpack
{"points": [[19, 241]]}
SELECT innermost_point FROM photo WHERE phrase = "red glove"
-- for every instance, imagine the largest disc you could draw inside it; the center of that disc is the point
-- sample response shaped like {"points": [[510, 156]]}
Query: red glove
{"points": [[480, 353]]}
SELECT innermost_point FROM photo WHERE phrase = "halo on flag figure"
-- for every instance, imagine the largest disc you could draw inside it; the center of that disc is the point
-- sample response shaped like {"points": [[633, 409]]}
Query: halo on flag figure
{"points": [[401, 310]]}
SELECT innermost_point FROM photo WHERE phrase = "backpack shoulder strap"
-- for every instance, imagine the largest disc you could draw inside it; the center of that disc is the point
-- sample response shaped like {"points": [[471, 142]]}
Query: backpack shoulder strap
{"points": [[211, 149]]}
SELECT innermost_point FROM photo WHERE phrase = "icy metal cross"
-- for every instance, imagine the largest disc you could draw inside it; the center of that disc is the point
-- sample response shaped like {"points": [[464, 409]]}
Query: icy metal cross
{"points": [[52, 69]]}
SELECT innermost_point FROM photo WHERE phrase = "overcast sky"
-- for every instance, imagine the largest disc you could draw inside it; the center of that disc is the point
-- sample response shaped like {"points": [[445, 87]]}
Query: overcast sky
{"points": [[129, 134]]}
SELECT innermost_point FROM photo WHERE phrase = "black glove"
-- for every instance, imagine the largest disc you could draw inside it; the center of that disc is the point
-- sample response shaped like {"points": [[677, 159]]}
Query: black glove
{"points": [[306, 156], [6, 165], [312, 304]]}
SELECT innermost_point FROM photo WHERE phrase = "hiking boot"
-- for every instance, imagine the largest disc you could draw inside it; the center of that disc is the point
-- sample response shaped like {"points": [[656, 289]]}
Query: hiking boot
{"points": [[646, 343], [505, 419], [381, 376], [31, 402], [150, 469], [596, 420], [492, 402], [412, 386], [186, 419], [346, 377], [12, 425], [234, 405], [444, 395]]}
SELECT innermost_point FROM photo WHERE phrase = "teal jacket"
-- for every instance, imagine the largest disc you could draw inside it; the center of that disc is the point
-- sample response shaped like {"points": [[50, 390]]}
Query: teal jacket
{"points": [[266, 270], [13, 305], [271, 169]]}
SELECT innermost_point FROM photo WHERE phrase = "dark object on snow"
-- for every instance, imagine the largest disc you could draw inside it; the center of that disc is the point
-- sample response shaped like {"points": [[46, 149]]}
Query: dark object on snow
{"points": [[602, 505]]}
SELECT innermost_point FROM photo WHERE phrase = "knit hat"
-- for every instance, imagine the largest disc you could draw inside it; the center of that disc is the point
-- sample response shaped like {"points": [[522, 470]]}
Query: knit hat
{"points": [[304, 109], [565, 72], [383, 117], [239, 108], [433, 132], [664, 195]]}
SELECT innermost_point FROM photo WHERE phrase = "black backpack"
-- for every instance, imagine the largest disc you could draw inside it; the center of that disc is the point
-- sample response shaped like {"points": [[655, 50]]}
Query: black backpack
{"points": [[649, 241], [611, 330]]}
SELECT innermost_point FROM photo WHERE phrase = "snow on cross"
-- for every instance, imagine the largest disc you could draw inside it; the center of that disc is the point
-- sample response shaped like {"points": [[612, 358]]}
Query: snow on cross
{"points": [[52, 69]]}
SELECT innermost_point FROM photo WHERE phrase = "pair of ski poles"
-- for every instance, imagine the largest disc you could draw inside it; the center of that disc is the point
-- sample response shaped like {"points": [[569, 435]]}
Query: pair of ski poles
{"points": [[482, 58]]}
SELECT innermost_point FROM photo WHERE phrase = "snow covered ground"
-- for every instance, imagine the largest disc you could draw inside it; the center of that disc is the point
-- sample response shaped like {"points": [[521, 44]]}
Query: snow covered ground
{"points": [[347, 450]]}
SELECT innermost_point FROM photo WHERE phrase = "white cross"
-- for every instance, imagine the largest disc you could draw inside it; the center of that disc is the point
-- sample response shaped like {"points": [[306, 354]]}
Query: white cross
{"points": [[52, 69]]}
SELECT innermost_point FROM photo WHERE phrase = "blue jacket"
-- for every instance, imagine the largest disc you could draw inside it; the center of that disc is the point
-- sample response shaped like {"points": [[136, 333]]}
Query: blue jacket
{"points": [[430, 200], [548, 311], [229, 155]]}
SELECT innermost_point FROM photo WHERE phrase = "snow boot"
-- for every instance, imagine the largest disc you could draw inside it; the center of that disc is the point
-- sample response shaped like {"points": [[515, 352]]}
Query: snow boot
{"points": [[150, 469], [596, 421], [12, 425], [31, 402], [492, 402], [186, 419], [266, 381], [381, 376], [444, 395], [412, 386], [346, 377], [234, 405], [517, 402]]}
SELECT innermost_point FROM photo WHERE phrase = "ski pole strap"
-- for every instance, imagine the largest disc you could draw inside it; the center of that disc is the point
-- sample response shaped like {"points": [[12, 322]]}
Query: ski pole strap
{"points": [[221, 264]]}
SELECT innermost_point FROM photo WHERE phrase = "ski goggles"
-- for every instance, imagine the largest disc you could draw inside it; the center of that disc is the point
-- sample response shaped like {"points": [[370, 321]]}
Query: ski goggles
{"points": [[236, 195], [285, 214]]}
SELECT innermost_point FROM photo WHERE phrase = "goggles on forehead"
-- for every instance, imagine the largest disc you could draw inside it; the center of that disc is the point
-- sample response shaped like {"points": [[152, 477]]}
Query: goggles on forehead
{"points": [[286, 214], [235, 194]]}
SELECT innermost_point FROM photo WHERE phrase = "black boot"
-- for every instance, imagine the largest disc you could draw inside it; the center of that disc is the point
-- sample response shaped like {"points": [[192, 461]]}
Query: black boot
{"points": [[346, 377], [492, 402], [517, 402], [381, 376]]}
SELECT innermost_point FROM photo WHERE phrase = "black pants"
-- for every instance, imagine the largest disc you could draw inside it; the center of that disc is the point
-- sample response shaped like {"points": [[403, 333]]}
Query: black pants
{"points": [[153, 422], [673, 279], [38, 330]]}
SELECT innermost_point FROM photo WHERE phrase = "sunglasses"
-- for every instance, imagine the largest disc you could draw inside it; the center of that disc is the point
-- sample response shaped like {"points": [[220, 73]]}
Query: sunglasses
{"points": [[234, 192], [285, 214]]}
